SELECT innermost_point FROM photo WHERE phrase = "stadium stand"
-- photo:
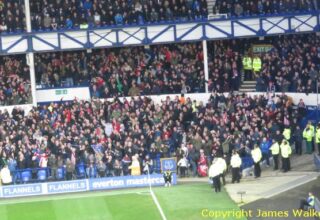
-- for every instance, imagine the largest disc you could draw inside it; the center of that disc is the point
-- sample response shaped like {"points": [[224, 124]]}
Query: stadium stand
{"points": [[73, 137], [97, 138], [225, 66], [12, 16], [290, 64], [60, 15], [240, 8], [14, 81], [56, 14], [160, 69]]}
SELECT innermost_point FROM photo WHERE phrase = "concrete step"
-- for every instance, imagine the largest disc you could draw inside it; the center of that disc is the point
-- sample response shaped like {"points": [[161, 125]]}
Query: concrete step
{"points": [[210, 4], [248, 85], [250, 82], [247, 90]]}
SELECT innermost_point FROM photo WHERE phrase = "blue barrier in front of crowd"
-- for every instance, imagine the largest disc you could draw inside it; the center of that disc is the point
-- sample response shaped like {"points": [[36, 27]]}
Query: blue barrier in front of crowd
{"points": [[311, 115], [83, 185], [246, 162]]}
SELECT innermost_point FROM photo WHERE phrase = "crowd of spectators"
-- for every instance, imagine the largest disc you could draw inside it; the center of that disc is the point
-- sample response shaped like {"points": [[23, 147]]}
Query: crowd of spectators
{"points": [[12, 17], [291, 64], [14, 81], [53, 15], [69, 14], [240, 8], [107, 135], [131, 71], [225, 65]]}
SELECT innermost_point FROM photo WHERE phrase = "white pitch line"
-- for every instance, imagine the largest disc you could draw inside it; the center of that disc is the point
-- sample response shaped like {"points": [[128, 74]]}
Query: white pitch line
{"points": [[55, 197], [155, 200], [158, 205]]}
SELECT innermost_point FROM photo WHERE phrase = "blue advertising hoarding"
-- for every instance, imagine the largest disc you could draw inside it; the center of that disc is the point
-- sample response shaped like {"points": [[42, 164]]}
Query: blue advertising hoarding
{"points": [[67, 186], [128, 182], [22, 190], [107, 183]]}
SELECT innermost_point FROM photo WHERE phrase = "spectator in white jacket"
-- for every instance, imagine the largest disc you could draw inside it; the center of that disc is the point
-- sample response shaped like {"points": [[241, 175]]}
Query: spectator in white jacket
{"points": [[5, 175], [183, 165], [235, 166], [215, 171]]}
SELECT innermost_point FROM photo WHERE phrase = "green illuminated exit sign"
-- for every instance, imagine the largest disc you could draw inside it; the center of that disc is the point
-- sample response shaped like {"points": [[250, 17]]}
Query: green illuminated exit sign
{"points": [[61, 92]]}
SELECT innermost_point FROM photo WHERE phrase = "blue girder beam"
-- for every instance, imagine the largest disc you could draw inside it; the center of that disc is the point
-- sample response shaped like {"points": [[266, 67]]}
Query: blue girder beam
{"points": [[259, 26]]}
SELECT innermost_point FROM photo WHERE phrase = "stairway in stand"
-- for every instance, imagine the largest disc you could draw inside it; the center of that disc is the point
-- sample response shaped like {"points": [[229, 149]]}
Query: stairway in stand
{"points": [[248, 86], [210, 4]]}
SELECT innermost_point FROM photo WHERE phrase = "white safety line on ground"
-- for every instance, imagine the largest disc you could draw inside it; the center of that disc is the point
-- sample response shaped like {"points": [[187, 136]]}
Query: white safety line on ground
{"points": [[292, 186]]}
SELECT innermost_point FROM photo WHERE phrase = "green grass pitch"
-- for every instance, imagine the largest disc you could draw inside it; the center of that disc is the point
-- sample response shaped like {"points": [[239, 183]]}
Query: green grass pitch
{"points": [[178, 202]]}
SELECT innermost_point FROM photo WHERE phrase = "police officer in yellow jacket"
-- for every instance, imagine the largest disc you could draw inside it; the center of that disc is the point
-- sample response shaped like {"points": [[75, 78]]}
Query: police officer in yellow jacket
{"points": [[235, 164], [313, 131], [308, 134], [309, 202], [318, 137], [256, 65], [256, 156], [247, 67], [286, 151], [194, 106], [287, 133], [275, 151]]}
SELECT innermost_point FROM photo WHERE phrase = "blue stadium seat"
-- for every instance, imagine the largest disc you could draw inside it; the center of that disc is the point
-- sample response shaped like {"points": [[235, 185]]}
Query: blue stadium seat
{"points": [[26, 175], [246, 162], [61, 174], [42, 175], [157, 165], [93, 173], [81, 171]]}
